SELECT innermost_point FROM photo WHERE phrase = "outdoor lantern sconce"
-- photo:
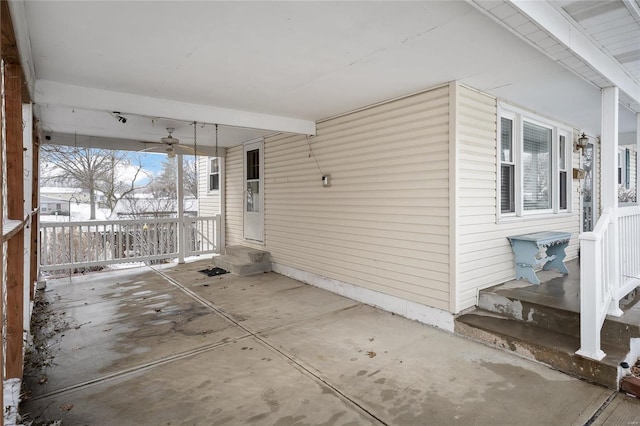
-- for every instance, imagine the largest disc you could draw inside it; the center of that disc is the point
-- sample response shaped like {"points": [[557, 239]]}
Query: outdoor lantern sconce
{"points": [[581, 144]]}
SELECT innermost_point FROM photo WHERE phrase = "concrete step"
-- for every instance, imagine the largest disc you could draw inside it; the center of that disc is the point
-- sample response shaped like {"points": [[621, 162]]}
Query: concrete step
{"points": [[548, 346], [248, 254], [545, 313], [240, 266]]}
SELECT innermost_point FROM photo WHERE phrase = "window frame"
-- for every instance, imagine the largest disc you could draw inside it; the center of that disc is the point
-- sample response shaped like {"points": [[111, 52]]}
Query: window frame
{"points": [[519, 117], [511, 164], [209, 173]]}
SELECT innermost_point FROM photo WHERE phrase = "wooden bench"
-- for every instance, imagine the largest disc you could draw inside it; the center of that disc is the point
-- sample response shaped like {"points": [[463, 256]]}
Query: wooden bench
{"points": [[526, 248]]}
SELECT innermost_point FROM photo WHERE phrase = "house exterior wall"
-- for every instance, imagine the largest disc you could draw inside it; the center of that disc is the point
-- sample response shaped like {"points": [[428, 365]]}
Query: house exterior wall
{"points": [[391, 222], [208, 202], [383, 225], [484, 257]]}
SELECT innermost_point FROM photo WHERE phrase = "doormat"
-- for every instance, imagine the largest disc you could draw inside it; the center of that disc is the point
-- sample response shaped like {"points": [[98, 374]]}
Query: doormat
{"points": [[213, 272]]}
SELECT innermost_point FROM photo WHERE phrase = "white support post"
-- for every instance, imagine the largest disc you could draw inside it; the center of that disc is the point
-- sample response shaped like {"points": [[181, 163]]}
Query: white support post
{"points": [[218, 237], [223, 205], [609, 148], [180, 195], [637, 182], [589, 304], [27, 143], [609, 167]]}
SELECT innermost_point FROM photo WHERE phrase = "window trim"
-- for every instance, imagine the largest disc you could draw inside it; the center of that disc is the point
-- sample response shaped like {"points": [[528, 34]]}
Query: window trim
{"points": [[209, 190], [519, 117]]}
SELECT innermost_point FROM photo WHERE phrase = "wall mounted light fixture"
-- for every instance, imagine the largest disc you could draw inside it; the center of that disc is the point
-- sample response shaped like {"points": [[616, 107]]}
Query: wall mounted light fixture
{"points": [[581, 143]]}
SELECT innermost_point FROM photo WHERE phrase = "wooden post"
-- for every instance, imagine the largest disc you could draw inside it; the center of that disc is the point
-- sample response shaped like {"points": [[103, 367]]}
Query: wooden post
{"points": [[15, 208], [1, 257]]}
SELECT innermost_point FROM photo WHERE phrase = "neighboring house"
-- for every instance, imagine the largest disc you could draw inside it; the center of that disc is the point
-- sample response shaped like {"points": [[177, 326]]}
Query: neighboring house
{"points": [[54, 206], [148, 207], [74, 194]]}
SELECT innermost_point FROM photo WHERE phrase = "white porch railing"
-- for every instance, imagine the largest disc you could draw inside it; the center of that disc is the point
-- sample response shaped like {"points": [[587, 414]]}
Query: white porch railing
{"points": [[86, 244], [609, 270], [629, 231], [203, 235]]}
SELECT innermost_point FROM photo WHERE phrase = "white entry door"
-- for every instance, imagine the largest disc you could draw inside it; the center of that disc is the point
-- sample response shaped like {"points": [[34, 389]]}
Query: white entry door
{"points": [[254, 191]]}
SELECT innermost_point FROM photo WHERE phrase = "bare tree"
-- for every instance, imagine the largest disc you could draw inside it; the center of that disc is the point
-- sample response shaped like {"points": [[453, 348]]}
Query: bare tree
{"points": [[190, 176], [91, 169], [164, 185]]}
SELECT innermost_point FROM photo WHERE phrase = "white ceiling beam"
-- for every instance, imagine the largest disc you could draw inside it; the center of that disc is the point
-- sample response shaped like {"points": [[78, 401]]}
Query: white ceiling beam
{"points": [[54, 93], [566, 32], [633, 8], [119, 144]]}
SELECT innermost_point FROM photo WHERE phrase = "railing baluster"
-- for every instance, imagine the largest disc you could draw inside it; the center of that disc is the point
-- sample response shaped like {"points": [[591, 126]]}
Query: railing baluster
{"points": [[93, 243]]}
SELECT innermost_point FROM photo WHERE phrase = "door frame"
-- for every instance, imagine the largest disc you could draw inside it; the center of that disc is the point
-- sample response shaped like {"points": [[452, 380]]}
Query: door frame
{"points": [[250, 146]]}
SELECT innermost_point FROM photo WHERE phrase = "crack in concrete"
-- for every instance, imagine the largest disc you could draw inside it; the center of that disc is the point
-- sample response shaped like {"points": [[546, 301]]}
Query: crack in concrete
{"points": [[269, 345], [138, 368], [601, 409]]}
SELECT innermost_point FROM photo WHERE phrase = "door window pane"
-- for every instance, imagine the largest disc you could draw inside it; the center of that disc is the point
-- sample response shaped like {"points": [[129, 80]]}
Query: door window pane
{"points": [[253, 164], [253, 196]]}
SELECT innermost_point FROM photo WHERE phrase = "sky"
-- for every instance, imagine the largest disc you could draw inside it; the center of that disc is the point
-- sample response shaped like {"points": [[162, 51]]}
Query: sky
{"points": [[151, 162]]}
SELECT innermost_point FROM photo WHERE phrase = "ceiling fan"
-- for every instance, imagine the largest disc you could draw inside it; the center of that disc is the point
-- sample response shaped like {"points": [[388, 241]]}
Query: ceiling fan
{"points": [[172, 145], [170, 141]]}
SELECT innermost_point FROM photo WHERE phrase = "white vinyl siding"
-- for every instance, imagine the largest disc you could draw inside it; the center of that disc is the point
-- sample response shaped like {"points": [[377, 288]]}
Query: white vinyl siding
{"points": [[384, 222], [484, 256], [208, 202]]}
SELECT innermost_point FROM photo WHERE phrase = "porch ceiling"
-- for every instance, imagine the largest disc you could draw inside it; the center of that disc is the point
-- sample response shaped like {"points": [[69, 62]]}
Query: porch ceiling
{"points": [[273, 66]]}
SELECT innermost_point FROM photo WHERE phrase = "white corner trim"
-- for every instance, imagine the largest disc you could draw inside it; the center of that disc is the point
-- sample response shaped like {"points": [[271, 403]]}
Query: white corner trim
{"points": [[568, 34], [414, 311]]}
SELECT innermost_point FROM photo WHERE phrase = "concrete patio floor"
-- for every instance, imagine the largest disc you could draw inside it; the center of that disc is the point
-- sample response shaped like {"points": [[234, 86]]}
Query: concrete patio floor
{"points": [[171, 346]]}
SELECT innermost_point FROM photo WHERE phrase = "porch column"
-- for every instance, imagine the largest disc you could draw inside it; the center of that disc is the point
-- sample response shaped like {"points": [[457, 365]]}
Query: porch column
{"points": [[180, 195], [637, 182], [27, 146], [609, 147]]}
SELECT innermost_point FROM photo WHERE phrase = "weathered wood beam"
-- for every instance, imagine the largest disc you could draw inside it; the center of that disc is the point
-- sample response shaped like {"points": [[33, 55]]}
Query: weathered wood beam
{"points": [[15, 209], [1, 256], [10, 52]]}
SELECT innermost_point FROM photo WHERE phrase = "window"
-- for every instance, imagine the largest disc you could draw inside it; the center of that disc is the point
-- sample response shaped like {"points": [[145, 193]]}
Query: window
{"points": [[627, 167], [562, 171], [536, 165], [214, 174], [534, 162], [507, 166]]}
